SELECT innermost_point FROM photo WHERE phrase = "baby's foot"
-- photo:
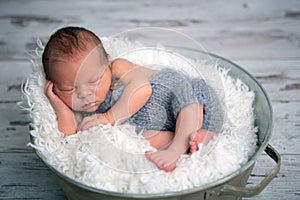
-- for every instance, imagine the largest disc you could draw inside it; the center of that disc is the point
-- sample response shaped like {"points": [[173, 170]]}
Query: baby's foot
{"points": [[201, 136], [159, 139], [164, 160]]}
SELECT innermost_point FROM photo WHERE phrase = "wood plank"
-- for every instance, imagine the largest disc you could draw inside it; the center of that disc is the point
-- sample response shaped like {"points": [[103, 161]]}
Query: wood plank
{"points": [[285, 136], [276, 38], [280, 78], [254, 29], [14, 129], [13, 73], [14, 122], [23, 176]]}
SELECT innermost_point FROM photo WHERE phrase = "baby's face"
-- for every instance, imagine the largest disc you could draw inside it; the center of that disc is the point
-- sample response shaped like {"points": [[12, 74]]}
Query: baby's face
{"points": [[81, 83]]}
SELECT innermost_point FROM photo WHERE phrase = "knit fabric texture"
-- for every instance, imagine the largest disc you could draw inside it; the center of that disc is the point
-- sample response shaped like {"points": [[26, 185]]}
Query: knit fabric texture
{"points": [[171, 92]]}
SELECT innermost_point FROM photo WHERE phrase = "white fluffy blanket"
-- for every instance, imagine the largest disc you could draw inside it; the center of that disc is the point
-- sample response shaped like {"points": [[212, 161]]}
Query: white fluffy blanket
{"points": [[112, 158]]}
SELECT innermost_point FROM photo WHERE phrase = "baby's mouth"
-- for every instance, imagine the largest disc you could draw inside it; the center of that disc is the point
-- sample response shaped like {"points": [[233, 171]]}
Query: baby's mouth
{"points": [[89, 105]]}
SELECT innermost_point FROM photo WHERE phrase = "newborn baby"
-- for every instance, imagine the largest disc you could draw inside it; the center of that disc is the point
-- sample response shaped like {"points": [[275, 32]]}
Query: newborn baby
{"points": [[173, 111]]}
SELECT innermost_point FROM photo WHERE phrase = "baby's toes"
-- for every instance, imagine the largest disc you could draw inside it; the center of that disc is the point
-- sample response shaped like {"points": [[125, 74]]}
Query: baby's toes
{"points": [[148, 154], [193, 147], [152, 156], [169, 167], [160, 163]]}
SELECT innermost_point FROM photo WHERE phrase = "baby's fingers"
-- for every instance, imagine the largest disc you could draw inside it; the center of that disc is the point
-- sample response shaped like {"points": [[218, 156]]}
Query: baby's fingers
{"points": [[49, 93], [88, 122], [49, 89], [55, 101]]}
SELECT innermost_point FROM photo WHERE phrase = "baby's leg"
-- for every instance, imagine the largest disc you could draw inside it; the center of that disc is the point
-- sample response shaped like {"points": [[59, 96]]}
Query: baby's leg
{"points": [[159, 139], [187, 123], [201, 136]]}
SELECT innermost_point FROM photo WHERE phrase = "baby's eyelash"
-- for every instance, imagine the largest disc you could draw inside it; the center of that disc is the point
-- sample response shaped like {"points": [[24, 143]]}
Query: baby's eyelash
{"points": [[68, 90], [94, 81]]}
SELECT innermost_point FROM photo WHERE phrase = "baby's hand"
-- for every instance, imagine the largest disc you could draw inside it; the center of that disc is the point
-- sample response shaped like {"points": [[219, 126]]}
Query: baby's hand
{"points": [[91, 121], [65, 116], [55, 101]]}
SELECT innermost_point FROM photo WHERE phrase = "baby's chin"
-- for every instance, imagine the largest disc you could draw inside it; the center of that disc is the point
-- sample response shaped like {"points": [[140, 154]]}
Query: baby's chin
{"points": [[89, 109]]}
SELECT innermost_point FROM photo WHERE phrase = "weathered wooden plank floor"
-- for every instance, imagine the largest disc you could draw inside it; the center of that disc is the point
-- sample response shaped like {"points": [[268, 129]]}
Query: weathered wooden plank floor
{"points": [[261, 36]]}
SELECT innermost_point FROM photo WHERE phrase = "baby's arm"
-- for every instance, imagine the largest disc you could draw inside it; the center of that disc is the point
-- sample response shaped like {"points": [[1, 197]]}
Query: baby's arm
{"points": [[65, 116], [134, 96], [136, 93]]}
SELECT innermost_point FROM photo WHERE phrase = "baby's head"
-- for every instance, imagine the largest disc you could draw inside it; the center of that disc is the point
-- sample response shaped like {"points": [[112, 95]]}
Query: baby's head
{"points": [[76, 62], [70, 43]]}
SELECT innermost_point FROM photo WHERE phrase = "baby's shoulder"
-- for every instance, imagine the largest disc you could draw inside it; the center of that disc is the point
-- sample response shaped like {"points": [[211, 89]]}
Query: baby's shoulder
{"points": [[120, 61], [120, 66]]}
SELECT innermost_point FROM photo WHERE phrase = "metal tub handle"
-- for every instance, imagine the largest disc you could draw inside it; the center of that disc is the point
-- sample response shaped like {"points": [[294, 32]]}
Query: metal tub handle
{"points": [[252, 191]]}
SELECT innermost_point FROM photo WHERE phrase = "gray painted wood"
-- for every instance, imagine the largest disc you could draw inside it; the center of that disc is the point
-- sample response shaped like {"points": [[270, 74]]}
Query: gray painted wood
{"points": [[261, 36]]}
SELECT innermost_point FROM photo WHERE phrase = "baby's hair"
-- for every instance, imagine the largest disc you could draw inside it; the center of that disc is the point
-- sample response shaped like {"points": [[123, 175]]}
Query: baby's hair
{"points": [[68, 42]]}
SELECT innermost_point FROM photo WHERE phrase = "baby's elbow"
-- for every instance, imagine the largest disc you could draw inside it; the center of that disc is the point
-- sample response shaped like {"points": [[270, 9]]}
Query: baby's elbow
{"points": [[147, 90]]}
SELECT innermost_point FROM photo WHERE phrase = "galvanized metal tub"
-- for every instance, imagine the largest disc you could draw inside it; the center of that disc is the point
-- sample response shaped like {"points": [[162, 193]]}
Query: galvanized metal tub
{"points": [[230, 187]]}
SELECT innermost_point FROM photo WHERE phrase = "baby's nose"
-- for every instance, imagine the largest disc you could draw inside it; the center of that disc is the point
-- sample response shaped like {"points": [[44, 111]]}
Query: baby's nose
{"points": [[84, 92]]}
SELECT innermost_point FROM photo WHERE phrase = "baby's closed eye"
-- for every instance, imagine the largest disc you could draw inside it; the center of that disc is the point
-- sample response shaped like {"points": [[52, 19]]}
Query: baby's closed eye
{"points": [[94, 81], [69, 90]]}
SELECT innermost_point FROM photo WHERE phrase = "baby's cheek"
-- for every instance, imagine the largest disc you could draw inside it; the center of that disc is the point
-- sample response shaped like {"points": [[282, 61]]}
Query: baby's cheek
{"points": [[67, 99], [99, 92]]}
